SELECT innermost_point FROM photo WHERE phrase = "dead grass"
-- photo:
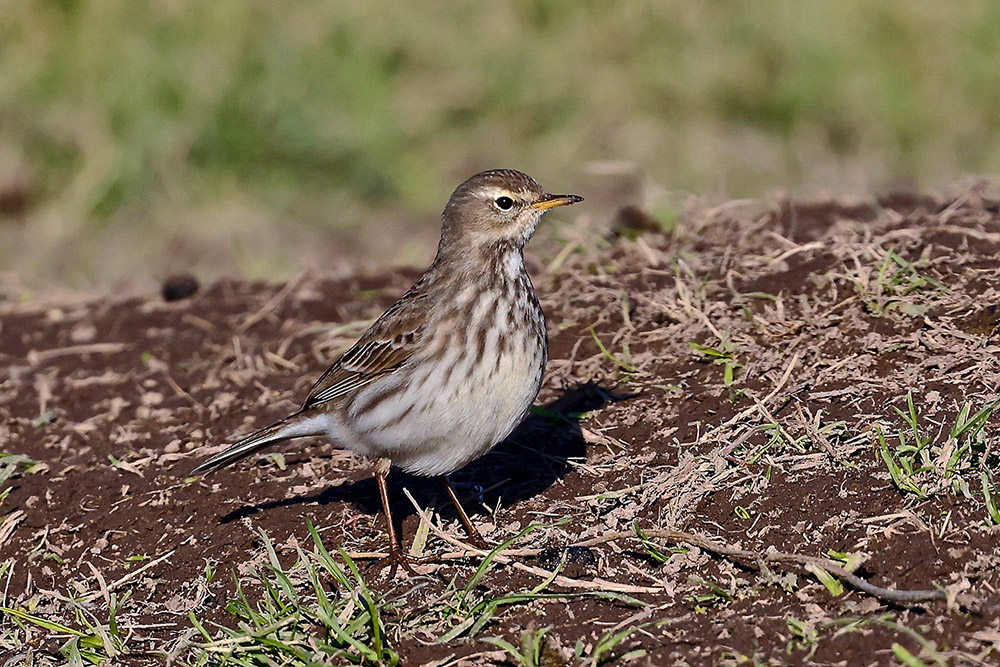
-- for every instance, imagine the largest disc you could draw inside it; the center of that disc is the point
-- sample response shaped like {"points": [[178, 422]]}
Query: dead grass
{"points": [[767, 436]]}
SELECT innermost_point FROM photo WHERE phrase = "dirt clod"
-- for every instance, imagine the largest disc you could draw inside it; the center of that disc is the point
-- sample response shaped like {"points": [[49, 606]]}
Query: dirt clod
{"points": [[180, 286]]}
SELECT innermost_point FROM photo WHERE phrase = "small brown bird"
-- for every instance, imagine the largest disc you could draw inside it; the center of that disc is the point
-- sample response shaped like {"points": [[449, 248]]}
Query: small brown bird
{"points": [[453, 366]]}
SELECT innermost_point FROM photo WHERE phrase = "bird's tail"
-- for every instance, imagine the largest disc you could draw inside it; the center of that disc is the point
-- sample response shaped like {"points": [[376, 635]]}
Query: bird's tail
{"points": [[299, 424]]}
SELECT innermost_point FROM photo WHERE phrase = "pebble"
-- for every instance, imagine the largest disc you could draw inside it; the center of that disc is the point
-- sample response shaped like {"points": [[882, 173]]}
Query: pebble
{"points": [[179, 286]]}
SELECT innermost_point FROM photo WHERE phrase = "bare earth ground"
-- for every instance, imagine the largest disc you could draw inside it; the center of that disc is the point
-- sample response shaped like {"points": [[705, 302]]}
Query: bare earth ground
{"points": [[743, 379]]}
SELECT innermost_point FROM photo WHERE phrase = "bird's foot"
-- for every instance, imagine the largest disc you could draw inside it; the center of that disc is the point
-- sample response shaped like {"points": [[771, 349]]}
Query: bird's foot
{"points": [[398, 559], [477, 540]]}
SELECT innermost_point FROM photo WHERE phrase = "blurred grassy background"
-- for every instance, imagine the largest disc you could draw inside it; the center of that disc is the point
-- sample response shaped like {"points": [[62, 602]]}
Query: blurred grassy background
{"points": [[252, 138]]}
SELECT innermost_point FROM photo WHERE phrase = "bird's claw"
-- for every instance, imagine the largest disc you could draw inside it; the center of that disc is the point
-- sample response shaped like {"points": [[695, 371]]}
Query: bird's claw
{"points": [[478, 541], [398, 559]]}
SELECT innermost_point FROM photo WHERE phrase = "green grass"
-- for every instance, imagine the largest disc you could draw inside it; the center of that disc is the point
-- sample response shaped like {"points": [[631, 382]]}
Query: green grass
{"points": [[468, 610], [805, 637], [628, 368], [88, 641], [894, 285], [922, 465], [531, 652], [317, 610], [293, 618], [533, 649], [990, 499], [722, 355], [186, 125], [12, 465]]}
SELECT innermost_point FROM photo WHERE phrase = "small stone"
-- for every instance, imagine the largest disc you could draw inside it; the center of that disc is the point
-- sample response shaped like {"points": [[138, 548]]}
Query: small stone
{"points": [[15, 192], [179, 286], [83, 333], [632, 221]]}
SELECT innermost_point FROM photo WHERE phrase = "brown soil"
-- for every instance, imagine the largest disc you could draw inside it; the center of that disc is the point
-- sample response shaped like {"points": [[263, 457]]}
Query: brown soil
{"points": [[829, 313]]}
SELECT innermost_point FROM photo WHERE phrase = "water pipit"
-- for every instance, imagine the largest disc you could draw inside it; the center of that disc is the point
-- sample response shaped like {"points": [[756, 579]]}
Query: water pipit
{"points": [[452, 367]]}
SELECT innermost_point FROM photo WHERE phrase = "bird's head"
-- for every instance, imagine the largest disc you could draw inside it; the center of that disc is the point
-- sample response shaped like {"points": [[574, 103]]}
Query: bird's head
{"points": [[497, 207]]}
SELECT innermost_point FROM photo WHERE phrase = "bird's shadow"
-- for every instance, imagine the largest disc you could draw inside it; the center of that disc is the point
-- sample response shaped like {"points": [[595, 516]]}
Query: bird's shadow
{"points": [[536, 455]]}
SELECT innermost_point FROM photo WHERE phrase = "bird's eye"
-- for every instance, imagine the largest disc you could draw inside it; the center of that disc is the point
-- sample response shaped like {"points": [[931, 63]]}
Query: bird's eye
{"points": [[504, 203]]}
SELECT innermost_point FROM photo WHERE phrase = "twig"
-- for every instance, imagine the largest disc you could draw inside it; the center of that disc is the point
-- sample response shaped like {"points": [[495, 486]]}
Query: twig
{"points": [[766, 414], [9, 524], [127, 578], [748, 411], [566, 582], [102, 584], [684, 298], [271, 304], [750, 557], [35, 356], [977, 234], [815, 245], [180, 391], [831, 566], [784, 377]]}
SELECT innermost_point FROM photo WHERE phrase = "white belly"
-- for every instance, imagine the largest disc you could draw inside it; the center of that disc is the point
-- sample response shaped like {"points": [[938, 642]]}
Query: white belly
{"points": [[441, 415]]}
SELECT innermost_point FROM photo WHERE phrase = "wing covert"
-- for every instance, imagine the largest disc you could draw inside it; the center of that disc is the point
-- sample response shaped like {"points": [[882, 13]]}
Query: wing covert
{"points": [[382, 349]]}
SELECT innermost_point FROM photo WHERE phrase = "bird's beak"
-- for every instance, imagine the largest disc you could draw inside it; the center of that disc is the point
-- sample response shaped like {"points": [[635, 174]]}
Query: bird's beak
{"points": [[551, 201]]}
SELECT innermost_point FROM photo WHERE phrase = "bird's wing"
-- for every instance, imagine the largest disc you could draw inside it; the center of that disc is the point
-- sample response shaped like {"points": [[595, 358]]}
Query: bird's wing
{"points": [[382, 349]]}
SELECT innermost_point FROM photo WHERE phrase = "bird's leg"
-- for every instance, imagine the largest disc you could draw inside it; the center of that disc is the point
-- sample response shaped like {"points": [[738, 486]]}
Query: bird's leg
{"points": [[396, 556], [475, 538]]}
